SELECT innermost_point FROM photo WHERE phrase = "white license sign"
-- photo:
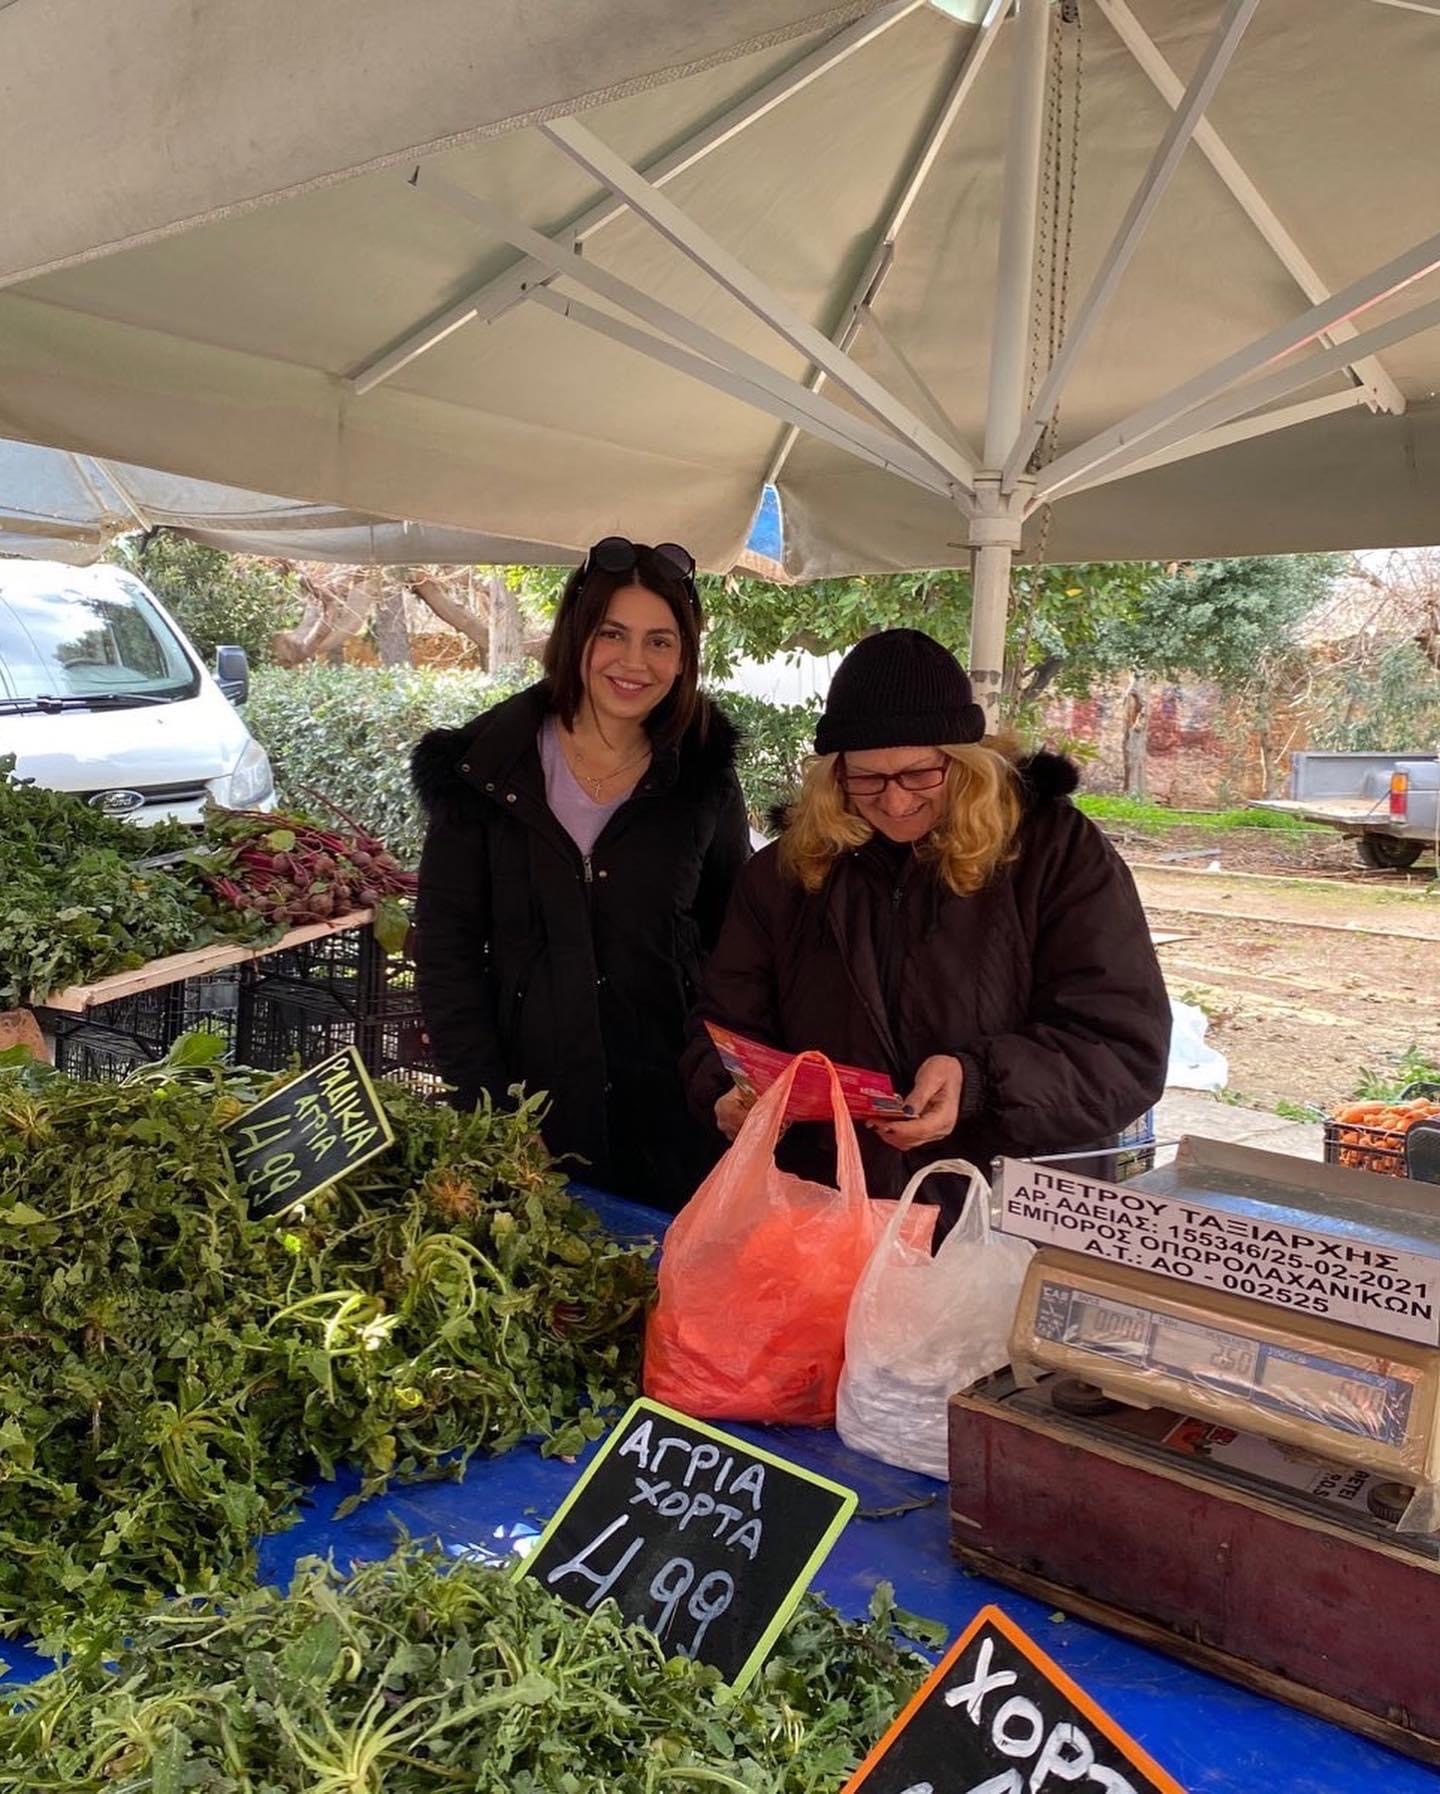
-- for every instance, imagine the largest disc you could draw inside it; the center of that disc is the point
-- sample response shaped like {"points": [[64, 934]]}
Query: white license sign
{"points": [[1297, 1265]]}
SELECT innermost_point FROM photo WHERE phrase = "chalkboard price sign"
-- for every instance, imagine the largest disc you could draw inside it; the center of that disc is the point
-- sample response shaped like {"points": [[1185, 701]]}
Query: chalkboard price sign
{"points": [[706, 1540], [308, 1134], [997, 1716]]}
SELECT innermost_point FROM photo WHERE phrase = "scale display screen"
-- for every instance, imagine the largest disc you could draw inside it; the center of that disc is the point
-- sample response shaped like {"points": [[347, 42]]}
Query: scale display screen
{"points": [[1308, 1385]]}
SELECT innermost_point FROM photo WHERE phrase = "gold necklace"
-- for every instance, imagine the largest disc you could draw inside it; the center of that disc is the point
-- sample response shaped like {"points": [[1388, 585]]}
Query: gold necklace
{"points": [[595, 781]]}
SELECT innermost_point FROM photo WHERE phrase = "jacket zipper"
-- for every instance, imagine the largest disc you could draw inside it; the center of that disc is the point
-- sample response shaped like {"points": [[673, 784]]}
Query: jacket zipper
{"points": [[878, 1021]]}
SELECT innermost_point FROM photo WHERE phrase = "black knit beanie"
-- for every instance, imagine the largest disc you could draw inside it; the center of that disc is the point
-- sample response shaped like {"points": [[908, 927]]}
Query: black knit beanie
{"points": [[900, 688]]}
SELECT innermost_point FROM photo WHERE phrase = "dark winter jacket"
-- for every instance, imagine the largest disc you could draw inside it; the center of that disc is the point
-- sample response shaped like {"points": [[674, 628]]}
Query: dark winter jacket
{"points": [[1044, 985], [571, 975]]}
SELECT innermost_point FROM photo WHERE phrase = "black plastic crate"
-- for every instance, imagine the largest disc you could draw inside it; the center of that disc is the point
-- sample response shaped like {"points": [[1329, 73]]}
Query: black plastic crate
{"points": [[111, 1040], [342, 961], [312, 1001]]}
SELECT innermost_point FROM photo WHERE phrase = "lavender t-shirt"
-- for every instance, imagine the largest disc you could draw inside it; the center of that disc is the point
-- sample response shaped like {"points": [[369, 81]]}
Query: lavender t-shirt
{"points": [[575, 810]]}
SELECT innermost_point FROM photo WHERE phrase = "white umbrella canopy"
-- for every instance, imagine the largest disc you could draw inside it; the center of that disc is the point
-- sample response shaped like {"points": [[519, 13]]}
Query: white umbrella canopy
{"points": [[128, 120], [1209, 215], [56, 506]]}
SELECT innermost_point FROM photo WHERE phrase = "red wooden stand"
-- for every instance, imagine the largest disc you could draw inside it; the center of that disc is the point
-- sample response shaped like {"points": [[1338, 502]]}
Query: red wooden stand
{"points": [[1329, 1611]]}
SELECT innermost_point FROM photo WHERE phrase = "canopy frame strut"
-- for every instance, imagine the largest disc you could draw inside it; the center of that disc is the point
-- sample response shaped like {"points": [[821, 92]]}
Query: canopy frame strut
{"points": [[1224, 42], [1383, 393], [1294, 377], [859, 306], [1122, 441], [680, 230], [714, 360], [1245, 429], [494, 297]]}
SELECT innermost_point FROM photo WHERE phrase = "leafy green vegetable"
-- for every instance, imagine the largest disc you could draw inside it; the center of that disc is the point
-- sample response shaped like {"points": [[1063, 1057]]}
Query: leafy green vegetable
{"points": [[83, 896], [78, 900], [415, 1675], [172, 1372]]}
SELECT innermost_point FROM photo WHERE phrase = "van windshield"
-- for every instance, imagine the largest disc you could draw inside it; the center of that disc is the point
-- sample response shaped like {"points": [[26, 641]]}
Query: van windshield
{"points": [[79, 643]]}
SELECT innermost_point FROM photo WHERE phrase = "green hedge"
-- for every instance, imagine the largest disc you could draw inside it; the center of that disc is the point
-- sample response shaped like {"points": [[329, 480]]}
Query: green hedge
{"points": [[345, 733]]}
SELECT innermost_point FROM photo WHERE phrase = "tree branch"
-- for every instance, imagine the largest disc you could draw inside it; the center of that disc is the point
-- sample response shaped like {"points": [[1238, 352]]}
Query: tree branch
{"points": [[449, 609]]}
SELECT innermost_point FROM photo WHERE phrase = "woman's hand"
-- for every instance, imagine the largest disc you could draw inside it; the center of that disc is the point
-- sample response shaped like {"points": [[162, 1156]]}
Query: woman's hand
{"points": [[731, 1110], [936, 1102]]}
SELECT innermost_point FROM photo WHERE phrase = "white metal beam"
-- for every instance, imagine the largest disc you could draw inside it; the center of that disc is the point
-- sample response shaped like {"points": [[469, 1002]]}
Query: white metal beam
{"points": [[493, 297], [1371, 289], [905, 381], [584, 148], [995, 529], [118, 486], [879, 444], [1269, 390], [877, 268], [669, 354], [1220, 52], [1382, 390], [1264, 423]]}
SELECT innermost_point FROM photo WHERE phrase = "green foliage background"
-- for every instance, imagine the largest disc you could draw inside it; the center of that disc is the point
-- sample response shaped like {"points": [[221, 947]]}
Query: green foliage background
{"points": [[345, 734], [1387, 701], [215, 597]]}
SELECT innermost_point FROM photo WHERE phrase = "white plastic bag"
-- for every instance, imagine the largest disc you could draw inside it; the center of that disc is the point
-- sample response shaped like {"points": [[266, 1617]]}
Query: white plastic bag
{"points": [[1193, 1064], [920, 1328]]}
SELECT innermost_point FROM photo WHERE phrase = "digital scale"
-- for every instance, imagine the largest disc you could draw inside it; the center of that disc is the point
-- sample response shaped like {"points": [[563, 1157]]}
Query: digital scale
{"points": [[1221, 1428], [1136, 1338]]}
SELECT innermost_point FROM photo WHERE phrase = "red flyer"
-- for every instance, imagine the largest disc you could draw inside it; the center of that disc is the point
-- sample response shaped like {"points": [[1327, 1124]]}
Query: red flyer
{"points": [[869, 1095]]}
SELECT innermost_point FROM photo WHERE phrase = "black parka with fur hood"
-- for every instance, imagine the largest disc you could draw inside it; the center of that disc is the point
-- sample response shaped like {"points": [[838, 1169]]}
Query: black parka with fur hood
{"points": [[1044, 985], [574, 975]]}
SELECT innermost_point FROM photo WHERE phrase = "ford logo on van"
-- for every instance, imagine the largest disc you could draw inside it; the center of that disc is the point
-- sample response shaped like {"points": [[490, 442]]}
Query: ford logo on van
{"points": [[117, 803]]}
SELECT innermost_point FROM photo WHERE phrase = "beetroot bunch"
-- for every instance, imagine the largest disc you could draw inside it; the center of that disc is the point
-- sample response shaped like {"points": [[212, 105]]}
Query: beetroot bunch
{"points": [[291, 873]]}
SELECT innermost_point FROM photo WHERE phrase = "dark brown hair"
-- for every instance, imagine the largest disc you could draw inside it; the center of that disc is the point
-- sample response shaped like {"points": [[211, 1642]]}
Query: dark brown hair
{"points": [[585, 604]]}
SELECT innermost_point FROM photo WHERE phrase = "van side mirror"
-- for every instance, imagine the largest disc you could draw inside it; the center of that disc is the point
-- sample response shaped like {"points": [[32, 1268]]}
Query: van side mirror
{"points": [[232, 673]]}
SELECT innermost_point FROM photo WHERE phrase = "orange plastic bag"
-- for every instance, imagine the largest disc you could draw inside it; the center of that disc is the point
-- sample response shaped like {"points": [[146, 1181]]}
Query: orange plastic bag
{"points": [[756, 1278]]}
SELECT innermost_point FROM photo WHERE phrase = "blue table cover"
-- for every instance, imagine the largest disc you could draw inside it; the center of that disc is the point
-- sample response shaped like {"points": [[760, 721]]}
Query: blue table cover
{"points": [[1212, 1737]]}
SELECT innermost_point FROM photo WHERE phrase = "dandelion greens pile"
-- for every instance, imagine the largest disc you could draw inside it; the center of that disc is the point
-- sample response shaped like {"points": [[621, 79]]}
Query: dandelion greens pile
{"points": [[172, 1373], [413, 1676]]}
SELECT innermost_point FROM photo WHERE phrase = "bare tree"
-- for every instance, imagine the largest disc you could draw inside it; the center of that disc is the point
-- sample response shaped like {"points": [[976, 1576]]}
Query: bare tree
{"points": [[479, 605], [507, 628], [435, 586], [392, 632], [1135, 743], [338, 604]]}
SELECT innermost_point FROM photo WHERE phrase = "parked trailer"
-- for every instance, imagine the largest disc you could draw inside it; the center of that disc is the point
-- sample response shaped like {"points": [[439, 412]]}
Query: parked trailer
{"points": [[1389, 803]]}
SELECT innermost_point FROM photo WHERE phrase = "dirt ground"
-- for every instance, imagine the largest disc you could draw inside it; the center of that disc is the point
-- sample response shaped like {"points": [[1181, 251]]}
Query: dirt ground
{"points": [[1308, 977], [1308, 852]]}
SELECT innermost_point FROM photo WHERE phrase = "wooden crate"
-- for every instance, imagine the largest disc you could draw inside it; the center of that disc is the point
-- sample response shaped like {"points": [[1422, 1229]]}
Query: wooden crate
{"points": [[1331, 1612]]}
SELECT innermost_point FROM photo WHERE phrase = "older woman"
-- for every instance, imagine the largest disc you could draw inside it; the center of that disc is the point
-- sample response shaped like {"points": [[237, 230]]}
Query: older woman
{"points": [[937, 907]]}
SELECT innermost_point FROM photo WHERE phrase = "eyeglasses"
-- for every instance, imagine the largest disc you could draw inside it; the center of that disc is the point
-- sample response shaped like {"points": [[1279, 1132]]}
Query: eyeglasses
{"points": [[618, 554], [871, 784]]}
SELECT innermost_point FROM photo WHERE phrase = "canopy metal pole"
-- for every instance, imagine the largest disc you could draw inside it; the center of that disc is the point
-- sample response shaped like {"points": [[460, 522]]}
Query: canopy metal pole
{"points": [[995, 528]]}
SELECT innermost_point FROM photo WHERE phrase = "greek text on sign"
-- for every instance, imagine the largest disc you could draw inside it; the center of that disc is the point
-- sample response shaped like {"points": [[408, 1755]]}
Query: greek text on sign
{"points": [[997, 1716], [1289, 1261], [705, 1539], [307, 1135]]}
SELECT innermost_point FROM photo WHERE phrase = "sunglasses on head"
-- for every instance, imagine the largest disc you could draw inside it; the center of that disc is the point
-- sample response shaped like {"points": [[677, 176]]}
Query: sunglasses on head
{"points": [[618, 554], [871, 784]]}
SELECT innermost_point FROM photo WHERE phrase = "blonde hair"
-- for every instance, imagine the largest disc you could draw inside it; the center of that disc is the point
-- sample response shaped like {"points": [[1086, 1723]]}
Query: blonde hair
{"points": [[975, 836]]}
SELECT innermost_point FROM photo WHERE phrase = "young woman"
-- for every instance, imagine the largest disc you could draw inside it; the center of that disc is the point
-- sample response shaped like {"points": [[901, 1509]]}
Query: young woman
{"points": [[938, 909], [583, 840]]}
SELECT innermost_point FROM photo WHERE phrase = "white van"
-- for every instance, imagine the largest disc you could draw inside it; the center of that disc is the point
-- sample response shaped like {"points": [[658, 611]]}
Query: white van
{"points": [[101, 694]]}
